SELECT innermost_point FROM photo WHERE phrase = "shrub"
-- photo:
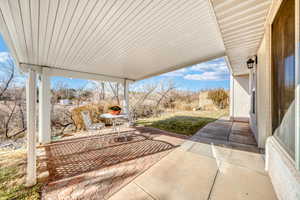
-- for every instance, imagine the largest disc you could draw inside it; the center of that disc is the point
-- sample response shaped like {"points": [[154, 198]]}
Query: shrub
{"points": [[219, 97], [144, 111]]}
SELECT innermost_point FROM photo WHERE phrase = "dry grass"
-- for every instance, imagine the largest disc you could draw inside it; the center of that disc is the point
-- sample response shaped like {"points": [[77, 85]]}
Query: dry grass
{"points": [[12, 176], [186, 123]]}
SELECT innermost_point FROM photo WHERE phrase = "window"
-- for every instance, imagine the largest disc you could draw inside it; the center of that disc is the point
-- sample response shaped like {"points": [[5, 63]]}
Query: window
{"points": [[253, 101], [283, 77]]}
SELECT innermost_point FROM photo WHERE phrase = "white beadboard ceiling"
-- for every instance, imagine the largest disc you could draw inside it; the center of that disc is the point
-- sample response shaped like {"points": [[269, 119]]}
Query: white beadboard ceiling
{"points": [[242, 24], [131, 39]]}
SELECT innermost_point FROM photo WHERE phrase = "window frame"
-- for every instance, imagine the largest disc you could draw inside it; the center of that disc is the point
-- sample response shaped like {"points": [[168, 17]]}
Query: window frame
{"points": [[297, 78]]}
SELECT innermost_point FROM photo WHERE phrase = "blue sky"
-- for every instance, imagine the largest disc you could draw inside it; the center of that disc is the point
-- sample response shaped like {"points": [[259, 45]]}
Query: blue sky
{"points": [[212, 74]]}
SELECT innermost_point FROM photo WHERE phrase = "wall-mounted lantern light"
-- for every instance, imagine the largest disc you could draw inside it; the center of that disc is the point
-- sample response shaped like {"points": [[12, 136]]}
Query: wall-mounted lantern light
{"points": [[250, 62]]}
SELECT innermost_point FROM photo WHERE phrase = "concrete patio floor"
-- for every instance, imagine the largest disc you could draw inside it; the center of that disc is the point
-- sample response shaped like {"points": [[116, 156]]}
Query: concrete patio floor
{"points": [[198, 171], [220, 162], [229, 134], [96, 166]]}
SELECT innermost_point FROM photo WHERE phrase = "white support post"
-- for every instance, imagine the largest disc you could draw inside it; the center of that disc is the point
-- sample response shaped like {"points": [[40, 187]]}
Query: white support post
{"points": [[126, 97], [297, 99], [31, 128], [44, 107]]}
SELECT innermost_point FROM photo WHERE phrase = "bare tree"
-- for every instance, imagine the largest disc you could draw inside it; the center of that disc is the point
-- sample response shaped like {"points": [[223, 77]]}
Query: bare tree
{"points": [[99, 88], [138, 96], [11, 91], [80, 95], [59, 91], [14, 121], [164, 89], [61, 119], [115, 88], [60, 85], [7, 74], [145, 91], [9, 118]]}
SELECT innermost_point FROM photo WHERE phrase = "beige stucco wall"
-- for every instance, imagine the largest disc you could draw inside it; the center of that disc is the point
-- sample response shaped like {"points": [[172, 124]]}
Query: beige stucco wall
{"points": [[262, 126], [281, 168], [240, 97], [263, 89]]}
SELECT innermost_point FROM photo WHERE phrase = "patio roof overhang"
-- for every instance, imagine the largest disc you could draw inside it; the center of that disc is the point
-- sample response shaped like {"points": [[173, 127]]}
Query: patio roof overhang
{"points": [[131, 40], [123, 41]]}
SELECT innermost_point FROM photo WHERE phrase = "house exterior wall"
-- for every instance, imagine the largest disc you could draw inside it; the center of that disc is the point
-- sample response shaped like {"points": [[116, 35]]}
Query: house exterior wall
{"points": [[253, 102], [240, 98], [280, 166], [260, 122]]}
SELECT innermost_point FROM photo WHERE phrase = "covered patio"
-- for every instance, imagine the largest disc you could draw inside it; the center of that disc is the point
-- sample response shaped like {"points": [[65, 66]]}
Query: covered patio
{"points": [[97, 166], [154, 165], [126, 41]]}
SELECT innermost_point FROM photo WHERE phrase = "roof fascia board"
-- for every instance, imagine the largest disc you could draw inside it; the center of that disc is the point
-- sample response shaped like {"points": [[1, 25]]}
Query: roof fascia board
{"points": [[53, 71], [228, 64]]}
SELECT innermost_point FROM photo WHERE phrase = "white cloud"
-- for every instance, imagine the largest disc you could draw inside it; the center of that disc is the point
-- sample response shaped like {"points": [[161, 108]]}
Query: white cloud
{"points": [[217, 75], [176, 73], [213, 70], [4, 57], [201, 67], [215, 65]]}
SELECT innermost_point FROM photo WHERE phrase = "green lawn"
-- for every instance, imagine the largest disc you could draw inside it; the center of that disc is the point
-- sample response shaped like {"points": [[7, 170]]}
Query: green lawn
{"points": [[12, 175], [186, 123]]}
